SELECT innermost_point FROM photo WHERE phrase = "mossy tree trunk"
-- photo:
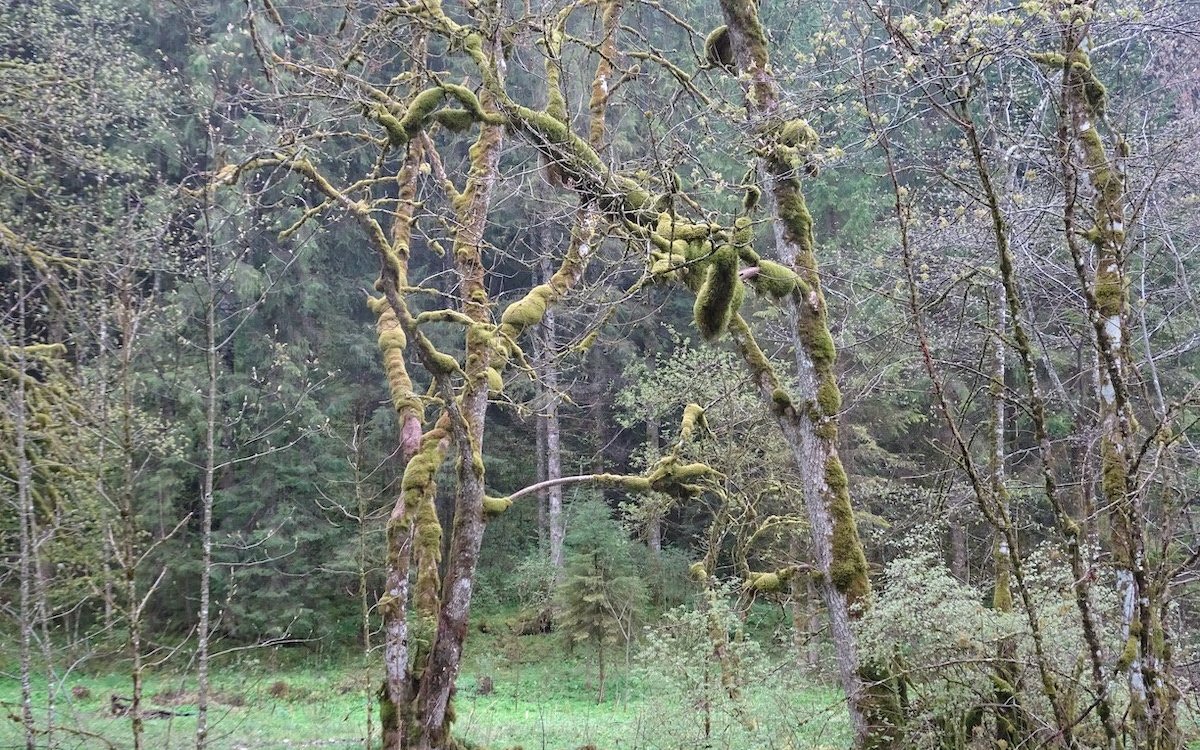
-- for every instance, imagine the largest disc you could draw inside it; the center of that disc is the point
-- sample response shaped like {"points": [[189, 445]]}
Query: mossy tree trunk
{"points": [[810, 422], [1144, 660], [550, 460]]}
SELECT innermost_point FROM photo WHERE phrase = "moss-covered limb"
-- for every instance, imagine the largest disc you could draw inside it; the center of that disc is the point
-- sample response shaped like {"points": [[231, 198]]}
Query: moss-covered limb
{"points": [[811, 432], [392, 343], [423, 109], [774, 279], [718, 50], [1106, 298], [770, 582], [556, 103], [693, 420], [719, 295], [444, 316], [581, 167], [418, 489], [529, 311], [750, 54]]}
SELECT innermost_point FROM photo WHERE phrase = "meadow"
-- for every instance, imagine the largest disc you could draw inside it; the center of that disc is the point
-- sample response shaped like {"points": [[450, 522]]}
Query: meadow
{"points": [[514, 691]]}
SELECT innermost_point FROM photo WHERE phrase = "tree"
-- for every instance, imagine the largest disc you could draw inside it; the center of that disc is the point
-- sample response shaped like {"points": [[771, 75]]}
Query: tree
{"points": [[602, 593]]}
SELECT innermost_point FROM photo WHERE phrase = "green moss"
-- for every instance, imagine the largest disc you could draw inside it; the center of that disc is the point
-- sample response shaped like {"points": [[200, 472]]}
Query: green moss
{"points": [[494, 380], [715, 300], [781, 401], [673, 229], [1110, 293], [693, 419], [769, 582], [829, 397], [796, 219], [697, 571], [798, 134], [1128, 654], [419, 110], [751, 198], [775, 279], [494, 506], [848, 569], [1051, 59], [529, 310], [454, 120], [718, 49], [397, 136], [392, 338]]}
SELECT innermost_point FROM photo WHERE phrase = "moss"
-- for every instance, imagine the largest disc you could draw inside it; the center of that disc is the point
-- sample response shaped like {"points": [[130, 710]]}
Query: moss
{"points": [[1095, 94], [769, 582], [848, 568], [420, 108], [671, 228], [387, 710], [1050, 59], [1128, 654], [494, 380], [715, 300], [829, 397], [440, 363], [775, 279], [454, 120], [718, 49], [781, 401], [693, 419], [494, 506], [751, 198], [1110, 293], [743, 233], [529, 310], [392, 342], [796, 219], [397, 136], [798, 134]]}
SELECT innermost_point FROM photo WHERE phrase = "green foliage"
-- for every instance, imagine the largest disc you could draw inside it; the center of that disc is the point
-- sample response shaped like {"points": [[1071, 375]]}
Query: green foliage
{"points": [[938, 638]]}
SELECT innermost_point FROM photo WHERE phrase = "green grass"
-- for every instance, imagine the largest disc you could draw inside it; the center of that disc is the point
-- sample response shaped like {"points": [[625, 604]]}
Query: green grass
{"points": [[541, 698]]}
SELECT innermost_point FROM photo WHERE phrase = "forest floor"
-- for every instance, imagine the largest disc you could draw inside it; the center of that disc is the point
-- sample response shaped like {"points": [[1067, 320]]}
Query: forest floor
{"points": [[538, 699]]}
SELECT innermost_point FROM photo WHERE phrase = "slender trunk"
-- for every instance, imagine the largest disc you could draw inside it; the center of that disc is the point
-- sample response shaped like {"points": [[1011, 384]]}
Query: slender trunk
{"points": [[445, 657], [543, 497], [1144, 660], [811, 430], [206, 504], [553, 455], [959, 561], [128, 544], [600, 659], [654, 523], [1010, 723], [364, 601], [25, 512]]}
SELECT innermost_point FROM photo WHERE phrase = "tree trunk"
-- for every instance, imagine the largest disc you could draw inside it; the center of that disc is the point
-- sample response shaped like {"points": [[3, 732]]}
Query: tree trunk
{"points": [[549, 415], [654, 522], [25, 513], [206, 501], [810, 422]]}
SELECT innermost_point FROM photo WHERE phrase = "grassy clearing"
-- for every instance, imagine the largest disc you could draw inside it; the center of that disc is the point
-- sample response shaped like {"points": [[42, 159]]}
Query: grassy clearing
{"points": [[539, 698]]}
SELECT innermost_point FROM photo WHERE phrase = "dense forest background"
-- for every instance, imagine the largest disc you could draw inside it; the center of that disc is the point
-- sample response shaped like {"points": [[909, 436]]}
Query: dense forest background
{"points": [[874, 367]]}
